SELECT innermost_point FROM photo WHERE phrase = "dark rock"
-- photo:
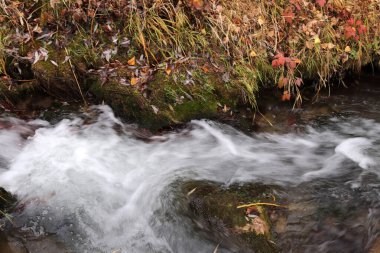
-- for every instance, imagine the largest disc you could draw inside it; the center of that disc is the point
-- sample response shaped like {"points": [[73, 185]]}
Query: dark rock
{"points": [[215, 207]]}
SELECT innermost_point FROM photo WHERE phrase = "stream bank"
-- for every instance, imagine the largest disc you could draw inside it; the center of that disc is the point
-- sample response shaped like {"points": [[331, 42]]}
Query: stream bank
{"points": [[164, 63]]}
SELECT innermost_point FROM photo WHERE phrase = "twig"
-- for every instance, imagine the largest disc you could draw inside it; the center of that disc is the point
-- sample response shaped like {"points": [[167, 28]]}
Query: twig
{"points": [[75, 77], [260, 204], [265, 118]]}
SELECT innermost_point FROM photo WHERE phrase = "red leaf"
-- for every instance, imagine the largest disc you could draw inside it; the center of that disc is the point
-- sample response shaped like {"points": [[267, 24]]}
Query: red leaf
{"points": [[358, 22], [288, 14], [283, 82], [275, 63], [279, 55], [362, 29], [281, 61], [349, 32], [351, 21], [321, 2], [292, 64]]}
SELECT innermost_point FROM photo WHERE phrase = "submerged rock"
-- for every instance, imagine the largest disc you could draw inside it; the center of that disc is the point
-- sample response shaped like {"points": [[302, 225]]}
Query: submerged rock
{"points": [[215, 208]]}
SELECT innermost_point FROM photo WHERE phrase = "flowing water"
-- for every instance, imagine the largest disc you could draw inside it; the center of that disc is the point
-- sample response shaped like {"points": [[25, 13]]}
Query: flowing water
{"points": [[91, 184]]}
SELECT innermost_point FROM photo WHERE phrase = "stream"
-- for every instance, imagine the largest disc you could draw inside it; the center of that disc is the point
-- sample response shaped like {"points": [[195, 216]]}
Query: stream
{"points": [[91, 183]]}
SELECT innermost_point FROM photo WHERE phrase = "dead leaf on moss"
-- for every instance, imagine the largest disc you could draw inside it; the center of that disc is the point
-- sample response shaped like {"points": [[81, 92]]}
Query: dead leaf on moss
{"points": [[132, 61], [134, 80], [257, 225]]}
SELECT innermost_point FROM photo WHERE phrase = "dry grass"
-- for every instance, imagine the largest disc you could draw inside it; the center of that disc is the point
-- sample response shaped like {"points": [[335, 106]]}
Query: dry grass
{"points": [[241, 38]]}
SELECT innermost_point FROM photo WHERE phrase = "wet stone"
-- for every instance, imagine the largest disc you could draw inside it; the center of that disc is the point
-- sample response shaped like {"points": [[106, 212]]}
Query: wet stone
{"points": [[215, 208]]}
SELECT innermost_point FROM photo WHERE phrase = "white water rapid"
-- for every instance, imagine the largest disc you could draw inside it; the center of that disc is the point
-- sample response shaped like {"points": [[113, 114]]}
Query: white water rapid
{"points": [[100, 188]]}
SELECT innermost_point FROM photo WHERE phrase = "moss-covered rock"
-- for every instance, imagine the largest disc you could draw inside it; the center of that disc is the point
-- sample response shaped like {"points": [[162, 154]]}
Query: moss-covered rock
{"points": [[128, 103], [59, 81], [13, 93], [165, 101], [6, 202], [215, 207]]}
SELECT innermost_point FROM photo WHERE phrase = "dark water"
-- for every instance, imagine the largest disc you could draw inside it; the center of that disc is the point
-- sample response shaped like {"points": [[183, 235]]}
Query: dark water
{"points": [[90, 183]]}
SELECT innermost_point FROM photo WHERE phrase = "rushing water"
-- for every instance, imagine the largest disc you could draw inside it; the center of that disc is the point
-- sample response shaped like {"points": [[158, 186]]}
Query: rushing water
{"points": [[94, 185]]}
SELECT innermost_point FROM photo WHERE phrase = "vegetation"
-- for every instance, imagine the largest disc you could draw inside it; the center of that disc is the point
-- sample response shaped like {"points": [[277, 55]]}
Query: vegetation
{"points": [[142, 47]]}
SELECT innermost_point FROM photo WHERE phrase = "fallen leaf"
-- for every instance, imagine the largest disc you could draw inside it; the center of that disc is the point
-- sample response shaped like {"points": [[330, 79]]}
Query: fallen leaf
{"points": [[252, 54], [349, 32], [282, 82], [134, 80], [298, 81], [257, 225], [309, 44], [132, 61], [168, 70], [197, 4], [317, 40], [288, 15], [205, 69], [53, 2], [321, 2], [260, 226], [261, 21], [155, 109], [327, 45], [285, 96], [54, 63], [36, 57]]}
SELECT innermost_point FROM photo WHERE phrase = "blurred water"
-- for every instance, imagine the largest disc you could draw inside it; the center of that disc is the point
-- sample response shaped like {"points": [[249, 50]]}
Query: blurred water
{"points": [[97, 187]]}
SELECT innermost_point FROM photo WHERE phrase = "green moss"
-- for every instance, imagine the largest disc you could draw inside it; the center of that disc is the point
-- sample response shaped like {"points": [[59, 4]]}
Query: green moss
{"points": [[217, 206], [176, 103], [59, 81], [6, 202], [14, 93], [129, 104]]}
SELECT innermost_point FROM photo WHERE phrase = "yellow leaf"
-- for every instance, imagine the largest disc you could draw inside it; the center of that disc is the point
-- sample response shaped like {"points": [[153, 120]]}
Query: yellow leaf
{"points": [[261, 21], [134, 80], [252, 54], [132, 61], [330, 45], [317, 40], [347, 49]]}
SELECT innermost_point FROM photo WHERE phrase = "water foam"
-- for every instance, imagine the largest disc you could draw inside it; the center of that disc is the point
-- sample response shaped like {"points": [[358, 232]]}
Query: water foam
{"points": [[111, 184]]}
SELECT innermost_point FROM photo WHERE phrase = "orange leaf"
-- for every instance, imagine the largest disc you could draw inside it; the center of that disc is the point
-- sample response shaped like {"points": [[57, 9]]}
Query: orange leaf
{"points": [[134, 80], [282, 82], [132, 61], [285, 96], [168, 70], [197, 4]]}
